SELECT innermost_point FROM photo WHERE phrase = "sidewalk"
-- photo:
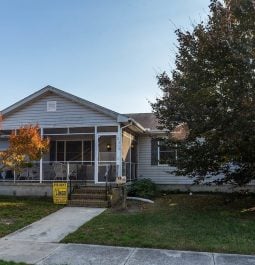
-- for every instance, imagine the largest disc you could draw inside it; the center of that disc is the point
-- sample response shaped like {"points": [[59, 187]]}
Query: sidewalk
{"points": [[76, 254]]}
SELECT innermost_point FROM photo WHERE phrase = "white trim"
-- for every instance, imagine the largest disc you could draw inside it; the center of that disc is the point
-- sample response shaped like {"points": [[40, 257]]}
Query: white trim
{"points": [[119, 156], [97, 157], [130, 158], [41, 162]]}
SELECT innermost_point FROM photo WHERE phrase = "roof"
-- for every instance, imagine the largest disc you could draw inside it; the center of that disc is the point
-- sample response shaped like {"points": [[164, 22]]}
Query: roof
{"points": [[147, 120]]}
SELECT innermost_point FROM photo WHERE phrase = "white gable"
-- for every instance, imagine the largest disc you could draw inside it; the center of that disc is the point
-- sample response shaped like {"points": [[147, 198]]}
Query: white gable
{"points": [[67, 114]]}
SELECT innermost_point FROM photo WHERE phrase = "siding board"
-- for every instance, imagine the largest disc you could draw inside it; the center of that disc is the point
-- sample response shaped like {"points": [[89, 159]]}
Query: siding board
{"points": [[68, 114], [158, 174]]}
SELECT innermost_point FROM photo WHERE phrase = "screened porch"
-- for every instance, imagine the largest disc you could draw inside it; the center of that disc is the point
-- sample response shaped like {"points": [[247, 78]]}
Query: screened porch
{"points": [[92, 154]]}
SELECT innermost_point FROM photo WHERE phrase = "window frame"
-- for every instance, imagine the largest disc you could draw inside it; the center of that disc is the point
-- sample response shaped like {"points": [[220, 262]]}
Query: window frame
{"points": [[158, 149], [82, 151], [51, 106]]}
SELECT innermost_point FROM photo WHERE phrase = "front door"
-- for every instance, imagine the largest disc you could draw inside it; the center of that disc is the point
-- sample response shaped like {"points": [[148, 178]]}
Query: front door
{"points": [[107, 157]]}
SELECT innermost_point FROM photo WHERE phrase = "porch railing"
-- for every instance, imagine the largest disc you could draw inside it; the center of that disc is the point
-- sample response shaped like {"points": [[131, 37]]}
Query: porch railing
{"points": [[77, 171], [129, 169]]}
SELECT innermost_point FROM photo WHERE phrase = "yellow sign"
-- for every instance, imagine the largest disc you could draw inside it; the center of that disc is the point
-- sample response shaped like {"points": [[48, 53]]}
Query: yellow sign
{"points": [[60, 193]]}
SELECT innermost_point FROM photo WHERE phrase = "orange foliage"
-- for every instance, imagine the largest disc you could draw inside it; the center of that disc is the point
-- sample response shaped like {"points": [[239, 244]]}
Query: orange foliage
{"points": [[25, 145]]}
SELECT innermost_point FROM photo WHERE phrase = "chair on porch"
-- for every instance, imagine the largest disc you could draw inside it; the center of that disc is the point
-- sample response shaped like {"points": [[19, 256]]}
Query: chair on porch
{"points": [[34, 172], [60, 171], [29, 173]]}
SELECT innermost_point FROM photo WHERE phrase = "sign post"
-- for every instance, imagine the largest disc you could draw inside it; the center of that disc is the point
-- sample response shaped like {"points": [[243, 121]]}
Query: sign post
{"points": [[60, 193]]}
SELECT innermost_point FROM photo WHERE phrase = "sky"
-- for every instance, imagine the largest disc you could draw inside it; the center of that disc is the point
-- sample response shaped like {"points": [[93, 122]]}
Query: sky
{"points": [[105, 51]]}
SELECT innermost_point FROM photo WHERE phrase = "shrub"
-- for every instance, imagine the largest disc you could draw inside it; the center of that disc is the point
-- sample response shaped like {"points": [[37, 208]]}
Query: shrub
{"points": [[144, 188]]}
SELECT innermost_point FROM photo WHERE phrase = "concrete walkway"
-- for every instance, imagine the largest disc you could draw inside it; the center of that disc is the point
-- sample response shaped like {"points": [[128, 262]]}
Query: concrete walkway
{"points": [[54, 227], [34, 244]]}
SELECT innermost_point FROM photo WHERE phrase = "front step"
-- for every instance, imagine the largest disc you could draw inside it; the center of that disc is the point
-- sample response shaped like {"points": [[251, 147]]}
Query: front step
{"points": [[88, 196], [89, 190], [89, 203]]}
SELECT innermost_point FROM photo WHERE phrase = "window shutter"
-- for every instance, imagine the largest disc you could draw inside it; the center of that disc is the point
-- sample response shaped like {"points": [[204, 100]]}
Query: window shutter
{"points": [[154, 152]]}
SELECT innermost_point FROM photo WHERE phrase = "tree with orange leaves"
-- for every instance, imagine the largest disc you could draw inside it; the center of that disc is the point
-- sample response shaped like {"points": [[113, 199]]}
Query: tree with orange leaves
{"points": [[26, 144]]}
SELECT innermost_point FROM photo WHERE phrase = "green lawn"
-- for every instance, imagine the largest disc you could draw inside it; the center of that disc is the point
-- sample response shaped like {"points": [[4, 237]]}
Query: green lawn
{"points": [[10, 263], [217, 223], [17, 212]]}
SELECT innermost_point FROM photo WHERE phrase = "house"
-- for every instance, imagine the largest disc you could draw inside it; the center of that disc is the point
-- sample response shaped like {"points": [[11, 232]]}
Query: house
{"points": [[88, 144]]}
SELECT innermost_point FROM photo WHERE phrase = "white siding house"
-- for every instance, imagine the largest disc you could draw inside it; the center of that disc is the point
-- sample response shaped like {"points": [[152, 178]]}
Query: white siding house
{"points": [[88, 143]]}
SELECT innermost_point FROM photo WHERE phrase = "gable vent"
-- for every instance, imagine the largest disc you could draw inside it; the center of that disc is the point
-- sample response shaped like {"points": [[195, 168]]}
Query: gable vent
{"points": [[51, 106]]}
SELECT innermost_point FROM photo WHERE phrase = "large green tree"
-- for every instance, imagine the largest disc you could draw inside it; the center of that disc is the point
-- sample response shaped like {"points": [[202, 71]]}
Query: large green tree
{"points": [[212, 90]]}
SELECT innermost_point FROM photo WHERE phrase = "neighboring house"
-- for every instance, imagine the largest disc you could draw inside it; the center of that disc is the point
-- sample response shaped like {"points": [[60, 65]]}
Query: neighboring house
{"points": [[87, 143]]}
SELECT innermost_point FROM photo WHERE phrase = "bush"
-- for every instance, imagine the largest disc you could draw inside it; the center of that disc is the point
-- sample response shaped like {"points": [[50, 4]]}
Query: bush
{"points": [[144, 188]]}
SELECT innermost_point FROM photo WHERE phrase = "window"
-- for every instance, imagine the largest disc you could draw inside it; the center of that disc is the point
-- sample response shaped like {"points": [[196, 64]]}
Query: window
{"points": [[73, 150], [167, 155], [163, 153], [51, 106], [4, 144], [5, 133], [62, 150], [52, 131]]}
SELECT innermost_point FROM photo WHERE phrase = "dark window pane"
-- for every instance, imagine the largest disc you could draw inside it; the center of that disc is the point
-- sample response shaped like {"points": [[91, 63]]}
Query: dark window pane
{"points": [[5, 132], [107, 129], [82, 130], [52, 150], [55, 131], [88, 150], [167, 157], [61, 146], [167, 154], [73, 151], [60, 151], [134, 152]]}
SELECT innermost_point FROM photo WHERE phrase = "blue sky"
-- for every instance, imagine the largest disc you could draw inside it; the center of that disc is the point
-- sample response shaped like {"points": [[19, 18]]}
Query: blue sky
{"points": [[106, 51]]}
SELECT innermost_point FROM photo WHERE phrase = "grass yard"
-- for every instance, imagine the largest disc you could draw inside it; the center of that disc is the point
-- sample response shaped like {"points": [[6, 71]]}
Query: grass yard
{"points": [[2, 262], [17, 212], [202, 222]]}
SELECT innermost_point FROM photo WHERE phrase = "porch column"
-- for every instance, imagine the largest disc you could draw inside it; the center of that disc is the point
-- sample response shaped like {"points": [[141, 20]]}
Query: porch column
{"points": [[119, 151], [96, 157], [41, 162]]}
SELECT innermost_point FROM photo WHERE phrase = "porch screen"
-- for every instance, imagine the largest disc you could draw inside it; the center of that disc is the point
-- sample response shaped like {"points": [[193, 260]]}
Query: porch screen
{"points": [[73, 151]]}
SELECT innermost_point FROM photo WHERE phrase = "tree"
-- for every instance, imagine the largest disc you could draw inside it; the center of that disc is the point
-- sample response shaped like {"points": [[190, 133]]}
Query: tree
{"points": [[212, 91], [26, 144]]}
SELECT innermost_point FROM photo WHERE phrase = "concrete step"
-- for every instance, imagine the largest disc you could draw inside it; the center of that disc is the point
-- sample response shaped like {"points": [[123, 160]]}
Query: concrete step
{"points": [[89, 203], [88, 196], [89, 190]]}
